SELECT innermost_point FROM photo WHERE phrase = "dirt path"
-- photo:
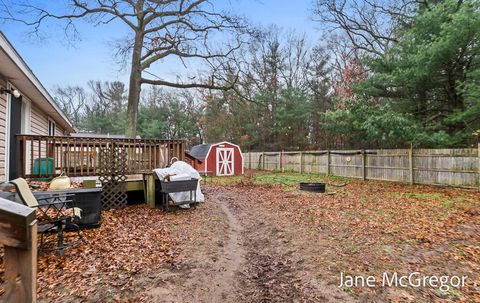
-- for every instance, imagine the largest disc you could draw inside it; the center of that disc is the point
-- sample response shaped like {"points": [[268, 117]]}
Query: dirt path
{"points": [[242, 257], [232, 260]]}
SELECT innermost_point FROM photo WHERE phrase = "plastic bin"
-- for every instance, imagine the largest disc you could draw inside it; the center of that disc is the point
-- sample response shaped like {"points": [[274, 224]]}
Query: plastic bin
{"points": [[43, 166]]}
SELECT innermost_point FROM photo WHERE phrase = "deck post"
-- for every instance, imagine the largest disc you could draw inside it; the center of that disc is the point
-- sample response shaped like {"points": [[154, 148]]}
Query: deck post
{"points": [[18, 234], [150, 190]]}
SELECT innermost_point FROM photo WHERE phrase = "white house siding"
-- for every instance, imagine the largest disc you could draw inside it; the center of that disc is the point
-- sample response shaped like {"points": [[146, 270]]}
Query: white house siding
{"points": [[3, 118], [39, 126], [39, 122]]}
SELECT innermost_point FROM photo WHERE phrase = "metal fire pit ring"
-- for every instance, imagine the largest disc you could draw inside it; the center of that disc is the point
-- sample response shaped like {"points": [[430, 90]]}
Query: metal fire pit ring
{"points": [[316, 187]]}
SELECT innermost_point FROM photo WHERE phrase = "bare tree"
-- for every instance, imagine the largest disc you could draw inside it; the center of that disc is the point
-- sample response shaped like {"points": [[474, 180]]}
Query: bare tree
{"points": [[296, 52], [160, 28], [369, 25], [110, 95], [72, 100]]}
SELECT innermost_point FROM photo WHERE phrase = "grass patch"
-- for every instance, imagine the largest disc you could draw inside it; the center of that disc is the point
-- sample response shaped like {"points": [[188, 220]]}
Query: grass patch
{"points": [[224, 180], [286, 179]]}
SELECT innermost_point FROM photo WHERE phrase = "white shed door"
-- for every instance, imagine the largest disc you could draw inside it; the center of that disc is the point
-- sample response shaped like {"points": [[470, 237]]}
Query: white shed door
{"points": [[225, 161]]}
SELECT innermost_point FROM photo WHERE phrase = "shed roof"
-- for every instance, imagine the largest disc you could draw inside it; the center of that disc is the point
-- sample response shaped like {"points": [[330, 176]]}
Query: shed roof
{"points": [[200, 151]]}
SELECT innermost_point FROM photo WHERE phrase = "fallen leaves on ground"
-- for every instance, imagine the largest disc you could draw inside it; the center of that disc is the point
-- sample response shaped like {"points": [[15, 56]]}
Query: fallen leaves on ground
{"points": [[130, 241], [363, 228], [371, 227]]}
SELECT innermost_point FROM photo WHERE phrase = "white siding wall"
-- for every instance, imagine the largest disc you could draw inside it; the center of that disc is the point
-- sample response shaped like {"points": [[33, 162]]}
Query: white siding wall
{"points": [[3, 118], [39, 126]]}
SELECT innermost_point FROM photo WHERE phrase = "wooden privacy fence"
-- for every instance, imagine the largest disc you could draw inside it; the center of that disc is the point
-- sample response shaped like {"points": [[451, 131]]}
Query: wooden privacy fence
{"points": [[47, 156], [449, 167]]}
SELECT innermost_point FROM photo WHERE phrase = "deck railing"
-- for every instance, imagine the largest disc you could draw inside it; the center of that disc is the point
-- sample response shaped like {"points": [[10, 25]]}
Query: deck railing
{"points": [[48, 156]]}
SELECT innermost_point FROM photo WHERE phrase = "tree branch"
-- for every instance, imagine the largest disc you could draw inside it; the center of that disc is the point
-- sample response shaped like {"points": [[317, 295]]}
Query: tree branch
{"points": [[188, 85]]}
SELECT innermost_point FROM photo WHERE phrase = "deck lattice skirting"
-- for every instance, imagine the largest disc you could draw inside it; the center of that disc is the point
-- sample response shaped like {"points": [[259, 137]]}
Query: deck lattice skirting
{"points": [[113, 164]]}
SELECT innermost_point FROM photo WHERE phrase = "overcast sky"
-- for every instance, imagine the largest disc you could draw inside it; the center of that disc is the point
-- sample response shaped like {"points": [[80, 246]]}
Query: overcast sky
{"points": [[56, 63]]}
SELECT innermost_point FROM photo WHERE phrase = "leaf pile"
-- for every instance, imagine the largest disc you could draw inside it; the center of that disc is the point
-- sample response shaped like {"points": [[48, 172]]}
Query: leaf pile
{"points": [[130, 241]]}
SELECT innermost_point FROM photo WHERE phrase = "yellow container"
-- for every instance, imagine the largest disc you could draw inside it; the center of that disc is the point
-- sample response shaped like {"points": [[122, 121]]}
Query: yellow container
{"points": [[60, 182]]}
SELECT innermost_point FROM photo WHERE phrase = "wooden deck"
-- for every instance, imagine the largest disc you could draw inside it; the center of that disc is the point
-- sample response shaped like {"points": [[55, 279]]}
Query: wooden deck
{"points": [[49, 156], [134, 182]]}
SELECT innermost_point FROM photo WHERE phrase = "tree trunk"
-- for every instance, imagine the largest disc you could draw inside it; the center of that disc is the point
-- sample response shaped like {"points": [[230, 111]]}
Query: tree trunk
{"points": [[134, 87]]}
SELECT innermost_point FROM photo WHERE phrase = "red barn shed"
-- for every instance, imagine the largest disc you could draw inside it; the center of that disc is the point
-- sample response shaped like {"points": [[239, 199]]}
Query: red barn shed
{"points": [[219, 159]]}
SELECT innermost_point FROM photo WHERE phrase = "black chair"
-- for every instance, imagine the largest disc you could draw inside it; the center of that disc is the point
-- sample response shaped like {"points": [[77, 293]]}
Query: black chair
{"points": [[55, 215]]}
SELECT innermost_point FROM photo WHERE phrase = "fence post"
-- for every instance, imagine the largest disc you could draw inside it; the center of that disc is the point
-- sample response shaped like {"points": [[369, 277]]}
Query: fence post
{"points": [[364, 164], [282, 158], [479, 166], [279, 165], [410, 163], [301, 162], [328, 162], [18, 235], [250, 160], [263, 160]]}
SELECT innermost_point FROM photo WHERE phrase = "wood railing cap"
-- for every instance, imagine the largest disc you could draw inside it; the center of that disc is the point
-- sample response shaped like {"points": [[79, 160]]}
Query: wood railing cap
{"points": [[17, 209], [93, 139], [15, 221]]}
